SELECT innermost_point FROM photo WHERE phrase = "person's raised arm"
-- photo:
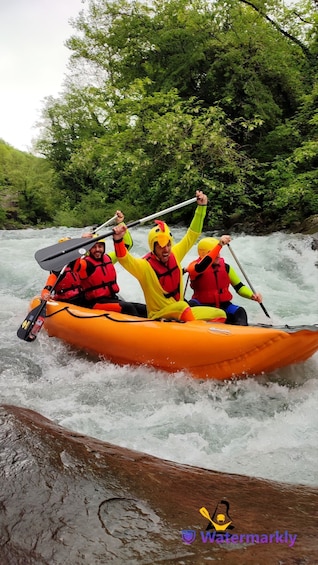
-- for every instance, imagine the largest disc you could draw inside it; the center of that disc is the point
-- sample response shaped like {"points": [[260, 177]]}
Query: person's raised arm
{"points": [[200, 212], [197, 267], [128, 241], [119, 232]]}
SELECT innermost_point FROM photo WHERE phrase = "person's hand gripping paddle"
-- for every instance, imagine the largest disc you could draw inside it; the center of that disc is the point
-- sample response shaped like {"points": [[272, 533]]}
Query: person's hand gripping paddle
{"points": [[34, 321]]}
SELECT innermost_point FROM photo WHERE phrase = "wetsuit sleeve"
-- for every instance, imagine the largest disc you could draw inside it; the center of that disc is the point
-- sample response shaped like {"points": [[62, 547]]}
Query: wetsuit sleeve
{"points": [[199, 266], [51, 280], [208, 259], [198, 219], [238, 286], [128, 240], [181, 248], [80, 267], [120, 248], [191, 270], [113, 256]]}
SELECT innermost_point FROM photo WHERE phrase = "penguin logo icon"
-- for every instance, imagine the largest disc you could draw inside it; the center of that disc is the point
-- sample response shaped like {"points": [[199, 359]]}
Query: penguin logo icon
{"points": [[220, 521]]}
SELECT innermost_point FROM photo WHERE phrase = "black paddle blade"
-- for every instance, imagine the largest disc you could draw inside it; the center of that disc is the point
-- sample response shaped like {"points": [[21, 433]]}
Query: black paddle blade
{"points": [[54, 257], [32, 324]]}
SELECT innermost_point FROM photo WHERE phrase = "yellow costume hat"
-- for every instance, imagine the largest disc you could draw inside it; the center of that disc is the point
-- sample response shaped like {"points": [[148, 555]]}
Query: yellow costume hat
{"points": [[159, 234], [206, 244]]}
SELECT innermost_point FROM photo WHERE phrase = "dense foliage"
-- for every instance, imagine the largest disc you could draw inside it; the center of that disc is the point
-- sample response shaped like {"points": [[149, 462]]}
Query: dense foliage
{"points": [[26, 189], [166, 97]]}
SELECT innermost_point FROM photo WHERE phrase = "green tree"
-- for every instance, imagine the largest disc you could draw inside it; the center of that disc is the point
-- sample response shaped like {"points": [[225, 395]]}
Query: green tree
{"points": [[26, 188], [178, 95]]}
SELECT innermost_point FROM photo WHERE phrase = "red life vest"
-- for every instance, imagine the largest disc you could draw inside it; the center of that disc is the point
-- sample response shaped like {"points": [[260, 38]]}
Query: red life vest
{"points": [[212, 286], [69, 285], [101, 278], [168, 274]]}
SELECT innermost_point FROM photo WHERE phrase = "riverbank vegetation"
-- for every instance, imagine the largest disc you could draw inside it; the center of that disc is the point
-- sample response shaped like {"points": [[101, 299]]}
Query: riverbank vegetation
{"points": [[165, 98]]}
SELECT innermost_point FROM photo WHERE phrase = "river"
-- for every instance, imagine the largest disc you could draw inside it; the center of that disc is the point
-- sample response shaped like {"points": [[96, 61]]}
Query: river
{"points": [[263, 426]]}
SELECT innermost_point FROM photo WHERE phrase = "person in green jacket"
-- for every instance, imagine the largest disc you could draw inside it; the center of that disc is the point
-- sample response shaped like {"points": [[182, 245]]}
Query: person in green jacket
{"points": [[160, 273]]}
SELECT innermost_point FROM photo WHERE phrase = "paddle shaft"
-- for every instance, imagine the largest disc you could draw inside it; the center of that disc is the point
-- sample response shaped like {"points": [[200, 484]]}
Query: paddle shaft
{"points": [[247, 279], [84, 245], [135, 223], [186, 286], [105, 224]]}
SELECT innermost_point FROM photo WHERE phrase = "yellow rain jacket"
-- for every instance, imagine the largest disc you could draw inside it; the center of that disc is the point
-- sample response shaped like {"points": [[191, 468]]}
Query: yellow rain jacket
{"points": [[158, 305]]}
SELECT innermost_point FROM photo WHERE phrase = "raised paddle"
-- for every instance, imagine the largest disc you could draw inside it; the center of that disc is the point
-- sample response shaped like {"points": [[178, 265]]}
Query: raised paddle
{"points": [[246, 277], [34, 321], [53, 258], [105, 224]]}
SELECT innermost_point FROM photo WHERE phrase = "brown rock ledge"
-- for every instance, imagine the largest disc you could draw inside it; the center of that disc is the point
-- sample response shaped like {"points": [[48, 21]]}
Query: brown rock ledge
{"points": [[69, 499]]}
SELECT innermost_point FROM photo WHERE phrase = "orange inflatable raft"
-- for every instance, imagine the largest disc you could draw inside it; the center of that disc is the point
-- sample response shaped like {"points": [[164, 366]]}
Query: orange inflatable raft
{"points": [[202, 349]]}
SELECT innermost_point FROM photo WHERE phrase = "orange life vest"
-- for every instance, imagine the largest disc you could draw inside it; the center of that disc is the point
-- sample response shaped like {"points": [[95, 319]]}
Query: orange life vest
{"points": [[69, 285], [212, 286], [168, 274], [101, 278]]}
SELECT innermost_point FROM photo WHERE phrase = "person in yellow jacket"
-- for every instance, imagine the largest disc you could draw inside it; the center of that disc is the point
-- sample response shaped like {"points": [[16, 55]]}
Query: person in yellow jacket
{"points": [[210, 279], [160, 273]]}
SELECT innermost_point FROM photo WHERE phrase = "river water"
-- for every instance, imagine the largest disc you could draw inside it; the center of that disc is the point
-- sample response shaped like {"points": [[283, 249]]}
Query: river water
{"points": [[263, 426]]}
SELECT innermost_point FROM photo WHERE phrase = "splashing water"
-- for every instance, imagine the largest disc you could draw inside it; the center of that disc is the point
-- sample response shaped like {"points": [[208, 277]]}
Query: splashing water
{"points": [[264, 426]]}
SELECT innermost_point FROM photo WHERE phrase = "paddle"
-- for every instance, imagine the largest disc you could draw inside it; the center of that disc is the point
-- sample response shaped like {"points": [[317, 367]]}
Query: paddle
{"points": [[205, 513], [53, 258], [34, 321], [186, 286], [32, 324], [246, 277], [105, 224]]}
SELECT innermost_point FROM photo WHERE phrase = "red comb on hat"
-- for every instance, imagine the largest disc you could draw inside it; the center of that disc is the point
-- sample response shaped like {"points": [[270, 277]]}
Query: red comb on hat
{"points": [[161, 224]]}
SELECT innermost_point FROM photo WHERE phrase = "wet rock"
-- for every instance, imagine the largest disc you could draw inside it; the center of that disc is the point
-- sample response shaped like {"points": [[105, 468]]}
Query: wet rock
{"points": [[310, 225], [68, 498], [314, 244]]}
